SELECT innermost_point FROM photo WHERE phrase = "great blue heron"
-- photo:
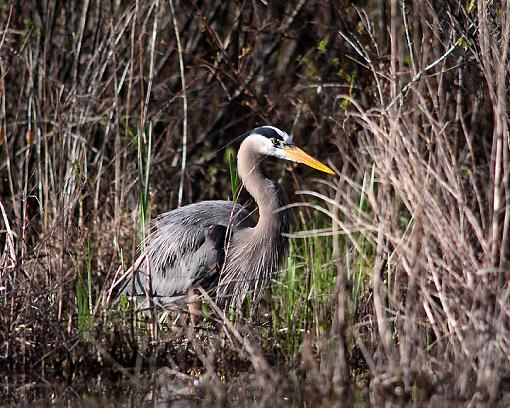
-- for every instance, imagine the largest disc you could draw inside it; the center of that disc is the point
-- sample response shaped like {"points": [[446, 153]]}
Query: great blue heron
{"points": [[216, 244]]}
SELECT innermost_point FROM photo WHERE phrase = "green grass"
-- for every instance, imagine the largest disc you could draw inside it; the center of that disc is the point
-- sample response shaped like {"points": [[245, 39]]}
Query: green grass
{"points": [[302, 290], [231, 160], [144, 154]]}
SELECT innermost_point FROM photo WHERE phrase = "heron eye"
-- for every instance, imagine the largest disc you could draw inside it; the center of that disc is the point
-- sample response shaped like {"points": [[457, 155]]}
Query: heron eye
{"points": [[276, 142]]}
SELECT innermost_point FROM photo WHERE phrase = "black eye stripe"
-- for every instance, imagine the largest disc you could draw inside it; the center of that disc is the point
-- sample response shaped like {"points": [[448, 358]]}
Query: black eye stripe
{"points": [[267, 132]]}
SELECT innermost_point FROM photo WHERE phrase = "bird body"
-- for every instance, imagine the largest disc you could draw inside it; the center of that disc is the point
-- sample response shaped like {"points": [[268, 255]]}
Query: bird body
{"points": [[216, 244], [186, 247]]}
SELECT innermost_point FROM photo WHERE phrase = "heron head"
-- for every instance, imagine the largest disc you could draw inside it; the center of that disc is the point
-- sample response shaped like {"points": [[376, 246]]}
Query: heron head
{"points": [[277, 143]]}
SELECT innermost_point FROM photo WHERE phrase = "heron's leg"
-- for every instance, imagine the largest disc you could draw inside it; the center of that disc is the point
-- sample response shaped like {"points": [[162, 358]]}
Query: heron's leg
{"points": [[194, 307]]}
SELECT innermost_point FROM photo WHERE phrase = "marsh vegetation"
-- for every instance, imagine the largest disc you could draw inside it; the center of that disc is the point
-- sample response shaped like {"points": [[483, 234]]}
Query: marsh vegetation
{"points": [[396, 286]]}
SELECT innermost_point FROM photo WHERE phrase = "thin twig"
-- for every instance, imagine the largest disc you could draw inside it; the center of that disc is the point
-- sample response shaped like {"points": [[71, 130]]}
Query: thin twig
{"points": [[184, 105], [419, 74]]}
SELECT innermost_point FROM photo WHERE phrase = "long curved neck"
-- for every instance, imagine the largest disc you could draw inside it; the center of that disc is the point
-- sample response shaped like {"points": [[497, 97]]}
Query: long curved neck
{"points": [[255, 253], [265, 191]]}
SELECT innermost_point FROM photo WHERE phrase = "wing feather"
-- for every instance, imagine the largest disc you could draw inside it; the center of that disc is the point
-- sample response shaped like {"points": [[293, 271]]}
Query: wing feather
{"points": [[185, 247]]}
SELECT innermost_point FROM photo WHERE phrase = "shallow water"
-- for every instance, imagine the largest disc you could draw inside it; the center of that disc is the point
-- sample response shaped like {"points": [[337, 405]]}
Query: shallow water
{"points": [[105, 395], [173, 389]]}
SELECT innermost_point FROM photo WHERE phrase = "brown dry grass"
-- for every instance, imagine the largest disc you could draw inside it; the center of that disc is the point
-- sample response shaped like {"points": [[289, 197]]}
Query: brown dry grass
{"points": [[409, 101]]}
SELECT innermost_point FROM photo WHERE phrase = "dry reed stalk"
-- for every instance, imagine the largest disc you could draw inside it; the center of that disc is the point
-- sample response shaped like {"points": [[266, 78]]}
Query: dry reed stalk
{"points": [[422, 134]]}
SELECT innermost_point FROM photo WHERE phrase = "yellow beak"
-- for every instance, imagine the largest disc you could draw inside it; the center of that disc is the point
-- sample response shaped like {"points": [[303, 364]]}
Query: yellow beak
{"points": [[298, 155]]}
